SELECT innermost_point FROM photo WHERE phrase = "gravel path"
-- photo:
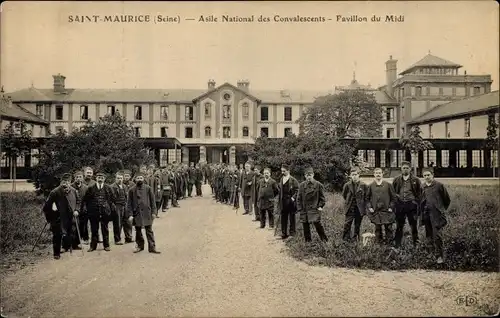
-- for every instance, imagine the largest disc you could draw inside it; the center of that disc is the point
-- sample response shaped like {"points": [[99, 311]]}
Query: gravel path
{"points": [[217, 263]]}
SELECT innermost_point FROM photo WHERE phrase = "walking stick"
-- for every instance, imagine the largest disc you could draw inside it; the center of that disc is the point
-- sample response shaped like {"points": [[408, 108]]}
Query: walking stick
{"points": [[78, 231], [39, 236]]}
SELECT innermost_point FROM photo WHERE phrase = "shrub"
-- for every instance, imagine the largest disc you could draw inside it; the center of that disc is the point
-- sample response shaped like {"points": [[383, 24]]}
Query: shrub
{"points": [[470, 238], [21, 220]]}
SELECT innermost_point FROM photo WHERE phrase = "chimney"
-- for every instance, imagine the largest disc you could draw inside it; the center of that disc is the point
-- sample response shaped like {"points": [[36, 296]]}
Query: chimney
{"points": [[391, 73], [244, 85], [211, 84], [59, 83]]}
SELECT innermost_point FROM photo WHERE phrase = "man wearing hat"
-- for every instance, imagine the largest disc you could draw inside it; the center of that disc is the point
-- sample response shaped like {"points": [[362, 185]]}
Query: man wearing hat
{"points": [[60, 209], [267, 190], [408, 189], [99, 201], [83, 218], [289, 187], [141, 210], [246, 187], [310, 203]]}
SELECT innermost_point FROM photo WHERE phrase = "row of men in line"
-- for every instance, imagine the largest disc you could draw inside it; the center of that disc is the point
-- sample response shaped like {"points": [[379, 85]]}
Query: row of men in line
{"points": [[382, 202], [72, 206]]}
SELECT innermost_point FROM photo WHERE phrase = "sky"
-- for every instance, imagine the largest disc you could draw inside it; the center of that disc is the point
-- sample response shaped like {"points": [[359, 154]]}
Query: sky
{"points": [[38, 41]]}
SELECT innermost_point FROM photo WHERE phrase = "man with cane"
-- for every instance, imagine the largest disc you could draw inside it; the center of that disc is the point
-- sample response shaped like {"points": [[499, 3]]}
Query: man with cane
{"points": [[60, 209]]}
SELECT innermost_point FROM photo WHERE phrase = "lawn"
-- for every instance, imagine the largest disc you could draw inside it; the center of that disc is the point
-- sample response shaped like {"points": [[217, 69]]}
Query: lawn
{"points": [[470, 238]]}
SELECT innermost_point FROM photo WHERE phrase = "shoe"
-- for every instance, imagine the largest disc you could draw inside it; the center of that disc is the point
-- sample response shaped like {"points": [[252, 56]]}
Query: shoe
{"points": [[154, 252], [57, 256], [164, 211], [284, 237], [137, 250], [128, 241], [119, 243], [107, 249], [245, 213], [91, 249]]}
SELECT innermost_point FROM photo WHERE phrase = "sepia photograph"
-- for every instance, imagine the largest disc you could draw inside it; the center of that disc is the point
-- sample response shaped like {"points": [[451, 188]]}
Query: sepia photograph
{"points": [[249, 159]]}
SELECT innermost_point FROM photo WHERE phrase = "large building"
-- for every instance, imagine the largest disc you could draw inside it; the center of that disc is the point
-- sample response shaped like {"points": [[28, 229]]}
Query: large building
{"points": [[215, 123]]}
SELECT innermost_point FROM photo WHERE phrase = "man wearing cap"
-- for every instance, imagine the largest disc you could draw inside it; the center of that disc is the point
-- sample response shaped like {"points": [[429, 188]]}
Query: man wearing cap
{"points": [[99, 201], [140, 212], [408, 189], [83, 218], [289, 187], [310, 203], [120, 192], [60, 209]]}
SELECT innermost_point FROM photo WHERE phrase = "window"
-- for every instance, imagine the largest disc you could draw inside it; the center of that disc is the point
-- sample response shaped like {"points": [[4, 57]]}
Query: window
{"points": [[430, 158], [208, 131], [111, 110], [189, 114], [137, 131], [477, 90], [287, 131], [430, 130], [164, 112], [494, 156], [245, 110], [226, 111], [477, 159], [389, 132], [445, 158], [447, 129], [264, 113], [245, 131], [418, 91], [188, 132], [288, 114], [467, 127], [208, 110], [226, 132], [462, 158], [59, 112], [164, 132], [39, 109], [389, 114], [138, 112], [84, 112], [264, 132]]}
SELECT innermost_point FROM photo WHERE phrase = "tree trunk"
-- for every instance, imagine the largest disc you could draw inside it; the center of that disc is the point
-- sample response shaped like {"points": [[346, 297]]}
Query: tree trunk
{"points": [[15, 176], [414, 155], [10, 167]]}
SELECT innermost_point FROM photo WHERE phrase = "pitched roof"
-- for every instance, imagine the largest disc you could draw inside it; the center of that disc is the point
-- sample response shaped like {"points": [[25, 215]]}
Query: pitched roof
{"points": [[8, 109], [429, 61], [459, 107], [249, 94]]}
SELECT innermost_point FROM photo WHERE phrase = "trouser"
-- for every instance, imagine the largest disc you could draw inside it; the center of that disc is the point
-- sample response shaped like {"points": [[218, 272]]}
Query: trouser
{"points": [[269, 213], [164, 200], [95, 222], [125, 225], [319, 229], [190, 189], [198, 188], [406, 210], [351, 216], [434, 236], [83, 223], [256, 211], [287, 217], [388, 232], [226, 196], [118, 222], [158, 205], [247, 203], [139, 239], [236, 199], [65, 241]]}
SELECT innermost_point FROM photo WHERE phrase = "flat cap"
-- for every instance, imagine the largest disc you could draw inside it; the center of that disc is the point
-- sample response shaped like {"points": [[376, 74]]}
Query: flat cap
{"points": [[100, 174], [66, 177]]}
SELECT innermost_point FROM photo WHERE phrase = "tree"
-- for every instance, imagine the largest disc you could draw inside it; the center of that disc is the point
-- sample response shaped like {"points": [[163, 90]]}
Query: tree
{"points": [[349, 114], [107, 145], [492, 138], [16, 142], [413, 142]]}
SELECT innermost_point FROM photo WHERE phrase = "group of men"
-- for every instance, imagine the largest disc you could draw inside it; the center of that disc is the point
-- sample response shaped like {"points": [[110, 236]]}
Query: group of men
{"points": [[126, 203], [407, 198]]}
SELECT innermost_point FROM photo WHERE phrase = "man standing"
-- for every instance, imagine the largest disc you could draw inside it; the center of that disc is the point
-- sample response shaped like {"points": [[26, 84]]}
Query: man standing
{"points": [[60, 209], [140, 212], [246, 187], [191, 179], [354, 193], [267, 190], [120, 192], [127, 176], [288, 190], [99, 202], [89, 181], [235, 185], [409, 189], [83, 217], [435, 202], [198, 179], [310, 203], [257, 176]]}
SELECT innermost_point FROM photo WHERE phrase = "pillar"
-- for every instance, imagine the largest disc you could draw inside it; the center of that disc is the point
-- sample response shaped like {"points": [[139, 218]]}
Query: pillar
{"points": [[185, 155], [232, 155], [203, 154]]}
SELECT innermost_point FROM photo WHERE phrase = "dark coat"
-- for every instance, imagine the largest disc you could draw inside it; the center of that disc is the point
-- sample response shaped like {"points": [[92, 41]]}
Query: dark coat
{"points": [[310, 197], [81, 189], [416, 189], [89, 201], [246, 184], [191, 175], [256, 178], [119, 193], [141, 205], [359, 197], [380, 198], [66, 204], [435, 202], [293, 190], [266, 192]]}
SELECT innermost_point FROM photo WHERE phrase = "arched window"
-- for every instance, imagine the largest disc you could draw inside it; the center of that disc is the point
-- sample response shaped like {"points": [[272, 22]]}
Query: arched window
{"points": [[208, 131], [245, 131], [245, 110]]}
